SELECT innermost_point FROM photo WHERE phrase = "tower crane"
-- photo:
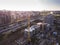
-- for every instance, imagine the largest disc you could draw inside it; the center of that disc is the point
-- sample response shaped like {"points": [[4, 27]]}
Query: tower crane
{"points": [[29, 39]]}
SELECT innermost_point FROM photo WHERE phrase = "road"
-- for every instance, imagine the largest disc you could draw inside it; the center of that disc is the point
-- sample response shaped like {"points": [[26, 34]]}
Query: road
{"points": [[15, 26]]}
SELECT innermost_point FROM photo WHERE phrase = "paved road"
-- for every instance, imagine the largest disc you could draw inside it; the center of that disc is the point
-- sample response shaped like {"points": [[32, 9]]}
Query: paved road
{"points": [[15, 26]]}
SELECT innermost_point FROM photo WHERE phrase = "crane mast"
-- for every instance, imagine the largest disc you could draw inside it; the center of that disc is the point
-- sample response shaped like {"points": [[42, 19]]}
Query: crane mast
{"points": [[29, 28]]}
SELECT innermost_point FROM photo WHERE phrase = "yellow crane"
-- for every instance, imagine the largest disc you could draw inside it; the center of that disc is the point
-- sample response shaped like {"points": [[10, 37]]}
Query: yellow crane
{"points": [[29, 39]]}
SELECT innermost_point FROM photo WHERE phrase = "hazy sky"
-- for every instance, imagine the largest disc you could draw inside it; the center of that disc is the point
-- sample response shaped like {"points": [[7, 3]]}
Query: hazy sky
{"points": [[30, 5]]}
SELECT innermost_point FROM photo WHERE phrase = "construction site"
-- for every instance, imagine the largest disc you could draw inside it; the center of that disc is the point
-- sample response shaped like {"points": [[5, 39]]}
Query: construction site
{"points": [[33, 28]]}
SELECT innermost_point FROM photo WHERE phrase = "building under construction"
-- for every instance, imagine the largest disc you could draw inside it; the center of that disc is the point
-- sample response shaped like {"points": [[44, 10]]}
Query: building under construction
{"points": [[31, 28]]}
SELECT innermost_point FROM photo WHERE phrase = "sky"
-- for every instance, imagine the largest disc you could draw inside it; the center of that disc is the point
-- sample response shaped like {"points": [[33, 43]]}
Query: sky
{"points": [[29, 5]]}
